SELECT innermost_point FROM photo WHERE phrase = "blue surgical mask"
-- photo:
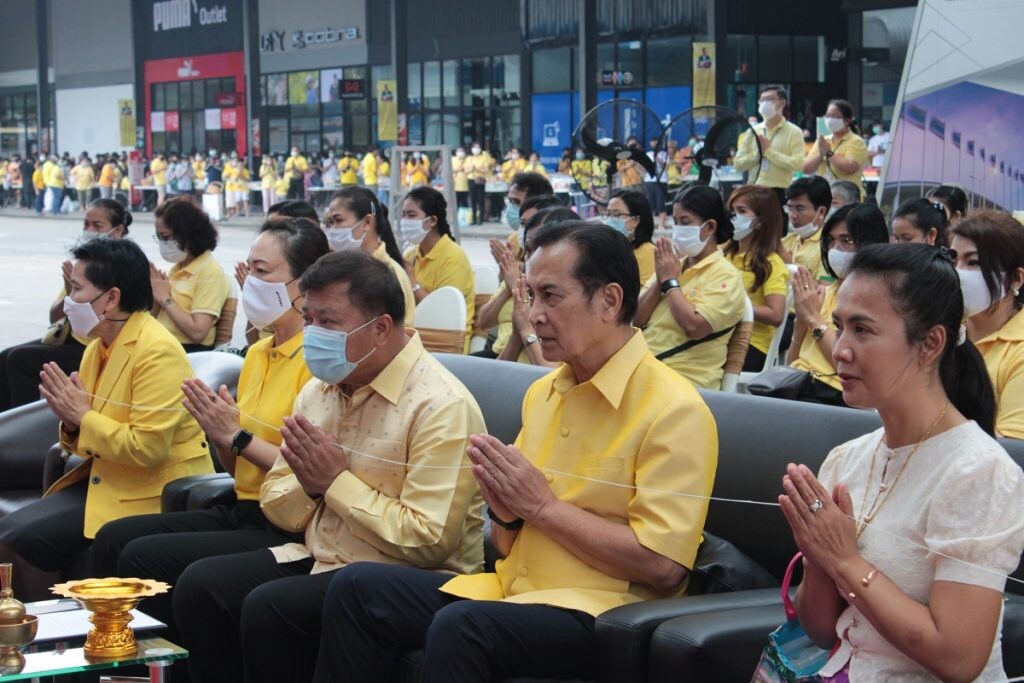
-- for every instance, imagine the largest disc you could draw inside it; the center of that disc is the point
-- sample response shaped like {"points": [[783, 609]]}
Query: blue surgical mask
{"points": [[325, 352], [512, 215], [616, 224]]}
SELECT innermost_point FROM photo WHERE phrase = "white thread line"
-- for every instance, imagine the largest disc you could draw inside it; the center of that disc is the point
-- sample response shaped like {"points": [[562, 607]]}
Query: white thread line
{"points": [[570, 475]]}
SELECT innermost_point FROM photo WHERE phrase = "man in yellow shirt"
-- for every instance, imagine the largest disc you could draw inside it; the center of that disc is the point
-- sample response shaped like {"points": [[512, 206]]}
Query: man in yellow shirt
{"points": [[158, 168], [348, 168], [53, 177], [808, 201], [480, 167], [368, 167], [460, 168], [372, 468], [781, 144], [295, 171], [599, 503], [83, 176], [513, 164], [108, 176]]}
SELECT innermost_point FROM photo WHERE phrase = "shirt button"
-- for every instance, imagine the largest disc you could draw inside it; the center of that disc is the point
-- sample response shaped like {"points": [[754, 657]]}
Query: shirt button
{"points": [[96, 480], [565, 431], [523, 571], [273, 354], [88, 452]]}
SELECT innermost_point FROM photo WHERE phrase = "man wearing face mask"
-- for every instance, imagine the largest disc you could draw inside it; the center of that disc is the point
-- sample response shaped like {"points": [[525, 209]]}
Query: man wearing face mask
{"points": [[877, 145], [460, 172], [808, 201], [479, 167], [371, 469], [295, 170], [780, 141], [521, 187]]}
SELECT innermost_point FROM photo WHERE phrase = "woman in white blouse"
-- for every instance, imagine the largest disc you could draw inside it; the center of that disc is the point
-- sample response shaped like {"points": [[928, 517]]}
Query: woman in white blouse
{"points": [[909, 532]]}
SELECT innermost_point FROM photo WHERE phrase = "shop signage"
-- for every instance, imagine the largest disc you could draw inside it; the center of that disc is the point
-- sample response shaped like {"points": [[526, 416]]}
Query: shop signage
{"points": [[226, 99], [279, 41], [353, 88], [172, 14], [616, 78]]}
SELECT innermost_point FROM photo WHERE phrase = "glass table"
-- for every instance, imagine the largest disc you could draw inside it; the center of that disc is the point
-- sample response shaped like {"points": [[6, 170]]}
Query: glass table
{"points": [[55, 658]]}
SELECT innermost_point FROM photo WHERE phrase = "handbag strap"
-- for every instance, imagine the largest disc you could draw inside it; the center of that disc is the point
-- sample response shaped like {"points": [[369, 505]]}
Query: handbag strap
{"points": [[686, 346], [787, 579]]}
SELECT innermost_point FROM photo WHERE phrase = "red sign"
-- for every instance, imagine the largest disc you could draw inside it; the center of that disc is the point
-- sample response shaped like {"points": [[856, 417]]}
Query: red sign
{"points": [[228, 119], [353, 88], [171, 121]]}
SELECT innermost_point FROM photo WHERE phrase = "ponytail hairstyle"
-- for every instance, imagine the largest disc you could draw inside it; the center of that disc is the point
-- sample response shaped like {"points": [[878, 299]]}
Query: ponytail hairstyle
{"points": [[433, 204], [706, 203], [925, 216], [638, 205], [767, 236], [925, 288], [953, 200], [846, 109], [117, 214], [363, 202]]}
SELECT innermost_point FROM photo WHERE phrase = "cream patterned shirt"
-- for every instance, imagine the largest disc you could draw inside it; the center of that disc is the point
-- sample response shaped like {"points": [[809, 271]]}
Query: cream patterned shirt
{"points": [[423, 512], [960, 495]]}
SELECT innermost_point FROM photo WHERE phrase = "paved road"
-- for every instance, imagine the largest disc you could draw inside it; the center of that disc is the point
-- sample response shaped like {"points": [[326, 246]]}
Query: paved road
{"points": [[32, 249]]}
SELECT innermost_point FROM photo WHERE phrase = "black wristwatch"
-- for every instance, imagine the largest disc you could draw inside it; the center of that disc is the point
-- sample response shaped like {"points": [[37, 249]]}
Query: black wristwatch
{"points": [[671, 283], [514, 525], [240, 442]]}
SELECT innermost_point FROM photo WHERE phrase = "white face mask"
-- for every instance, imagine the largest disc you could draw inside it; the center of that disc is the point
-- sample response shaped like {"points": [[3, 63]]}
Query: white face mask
{"points": [[476, 150], [742, 226], [686, 239], [344, 239], [977, 297], [767, 110], [412, 230], [805, 231], [834, 124], [171, 252], [264, 302], [81, 315], [840, 262]]}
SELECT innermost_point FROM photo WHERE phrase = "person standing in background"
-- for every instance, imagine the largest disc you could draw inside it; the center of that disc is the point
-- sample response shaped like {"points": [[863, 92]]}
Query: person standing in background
{"points": [[781, 144], [158, 168], [842, 155], [878, 144], [368, 167], [295, 170], [479, 169], [108, 175], [82, 176], [460, 167]]}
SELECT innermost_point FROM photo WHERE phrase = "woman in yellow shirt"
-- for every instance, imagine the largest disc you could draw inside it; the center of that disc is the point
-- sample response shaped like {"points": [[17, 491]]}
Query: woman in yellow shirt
{"points": [[842, 155], [158, 169], [188, 299], [696, 296], [629, 212], [534, 165], [356, 219], [83, 176], [754, 250], [244, 434], [434, 260], [989, 247], [851, 227]]}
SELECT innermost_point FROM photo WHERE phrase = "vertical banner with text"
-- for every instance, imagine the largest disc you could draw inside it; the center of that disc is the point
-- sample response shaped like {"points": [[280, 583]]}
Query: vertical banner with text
{"points": [[126, 119], [703, 74], [387, 111]]}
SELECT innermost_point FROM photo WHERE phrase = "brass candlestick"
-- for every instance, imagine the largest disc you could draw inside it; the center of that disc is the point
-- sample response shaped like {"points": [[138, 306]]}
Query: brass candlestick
{"points": [[110, 601], [17, 629]]}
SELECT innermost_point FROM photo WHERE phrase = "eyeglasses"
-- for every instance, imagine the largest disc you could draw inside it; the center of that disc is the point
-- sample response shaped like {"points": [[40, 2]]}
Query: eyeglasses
{"points": [[616, 214], [797, 208], [845, 240], [768, 99]]}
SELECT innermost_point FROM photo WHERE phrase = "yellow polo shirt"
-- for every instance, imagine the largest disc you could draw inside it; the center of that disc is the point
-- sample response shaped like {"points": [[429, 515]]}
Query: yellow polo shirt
{"points": [[381, 254], [1003, 351], [812, 359], [807, 253], [84, 175], [271, 378], [368, 165], [159, 170], [446, 265], [295, 166], [348, 166], [200, 287], [783, 158], [776, 283], [715, 288], [634, 423], [850, 146], [510, 167], [505, 327], [459, 169], [645, 260]]}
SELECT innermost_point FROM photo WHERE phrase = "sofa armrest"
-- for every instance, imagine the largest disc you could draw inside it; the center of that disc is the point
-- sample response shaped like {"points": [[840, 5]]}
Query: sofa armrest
{"points": [[717, 646], [624, 633], [207, 494], [174, 497], [26, 434]]}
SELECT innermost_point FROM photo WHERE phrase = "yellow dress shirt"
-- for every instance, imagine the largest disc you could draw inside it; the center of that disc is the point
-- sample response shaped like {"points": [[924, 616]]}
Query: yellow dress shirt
{"points": [[446, 264], [159, 170], [368, 166], [536, 167], [715, 288], [850, 146], [807, 253], [479, 167], [777, 282], [645, 260], [381, 254], [634, 423], [84, 176], [812, 359], [414, 413], [136, 437], [505, 327], [510, 167], [582, 171], [200, 287], [459, 174], [271, 378], [783, 158], [1003, 351], [267, 175], [295, 167], [348, 166]]}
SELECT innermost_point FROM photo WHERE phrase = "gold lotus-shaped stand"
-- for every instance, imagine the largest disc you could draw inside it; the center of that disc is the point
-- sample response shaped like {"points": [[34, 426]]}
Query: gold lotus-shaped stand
{"points": [[110, 601]]}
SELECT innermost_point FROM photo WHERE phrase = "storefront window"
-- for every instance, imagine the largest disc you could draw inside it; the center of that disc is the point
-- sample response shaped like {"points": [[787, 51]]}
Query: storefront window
{"points": [[476, 82], [552, 70], [415, 86], [669, 61], [432, 85], [450, 82], [605, 59], [774, 53], [741, 58], [506, 80], [809, 59], [277, 134], [886, 39], [631, 60]]}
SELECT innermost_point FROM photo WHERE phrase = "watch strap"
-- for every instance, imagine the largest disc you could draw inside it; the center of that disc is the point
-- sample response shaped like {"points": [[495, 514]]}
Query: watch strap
{"points": [[669, 284], [241, 441], [514, 525]]}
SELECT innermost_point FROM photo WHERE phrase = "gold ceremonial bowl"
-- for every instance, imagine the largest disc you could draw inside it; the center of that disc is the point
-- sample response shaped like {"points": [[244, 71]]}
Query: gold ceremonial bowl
{"points": [[110, 601], [12, 637]]}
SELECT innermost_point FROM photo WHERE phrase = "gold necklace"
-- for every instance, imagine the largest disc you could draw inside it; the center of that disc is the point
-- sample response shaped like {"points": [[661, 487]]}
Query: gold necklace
{"points": [[868, 514]]}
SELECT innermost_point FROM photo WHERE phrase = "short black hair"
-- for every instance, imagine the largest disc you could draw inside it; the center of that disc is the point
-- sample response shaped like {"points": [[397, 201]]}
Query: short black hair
{"points": [[540, 202], [118, 263], [294, 208], [605, 257], [814, 187], [638, 205], [189, 224], [543, 217], [373, 287], [532, 184], [303, 242]]}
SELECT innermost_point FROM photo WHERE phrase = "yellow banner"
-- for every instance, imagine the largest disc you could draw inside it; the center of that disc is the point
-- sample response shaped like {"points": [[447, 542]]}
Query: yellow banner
{"points": [[387, 111], [126, 117], [703, 74]]}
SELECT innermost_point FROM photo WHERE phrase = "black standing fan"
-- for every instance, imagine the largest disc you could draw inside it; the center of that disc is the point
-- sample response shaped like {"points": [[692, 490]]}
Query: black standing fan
{"points": [[611, 163], [724, 138]]}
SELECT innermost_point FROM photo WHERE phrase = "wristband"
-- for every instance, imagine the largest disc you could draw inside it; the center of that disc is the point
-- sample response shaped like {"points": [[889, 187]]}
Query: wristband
{"points": [[514, 525], [671, 283]]}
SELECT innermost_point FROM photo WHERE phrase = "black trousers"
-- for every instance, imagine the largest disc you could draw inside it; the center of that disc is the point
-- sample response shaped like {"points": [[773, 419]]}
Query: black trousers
{"points": [[246, 617], [754, 361], [462, 199], [477, 195], [296, 189], [20, 367], [375, 612], [162, 546]]}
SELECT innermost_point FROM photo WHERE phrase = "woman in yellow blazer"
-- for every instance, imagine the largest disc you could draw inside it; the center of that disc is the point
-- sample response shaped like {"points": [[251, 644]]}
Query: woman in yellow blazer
{"points": [[121, 412]]}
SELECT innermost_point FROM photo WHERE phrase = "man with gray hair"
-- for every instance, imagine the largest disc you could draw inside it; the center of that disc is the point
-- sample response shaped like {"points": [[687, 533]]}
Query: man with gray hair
{"points": [[844, 192]]}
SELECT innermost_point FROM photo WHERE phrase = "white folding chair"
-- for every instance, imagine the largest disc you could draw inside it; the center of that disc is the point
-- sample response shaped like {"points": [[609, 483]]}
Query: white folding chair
{"points": [[772, 356], [441, 320], [739, 342], [485, 278]]}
